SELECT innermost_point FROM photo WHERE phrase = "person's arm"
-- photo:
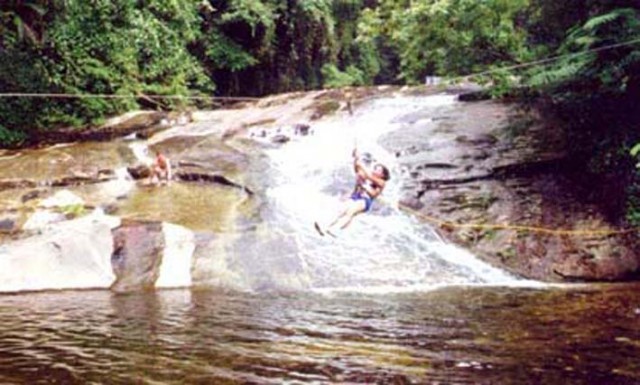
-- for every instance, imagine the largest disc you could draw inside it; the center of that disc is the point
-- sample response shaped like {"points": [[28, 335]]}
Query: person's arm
{"points": [[375, 179], [168, 170], [373, 192], [356, 160]]}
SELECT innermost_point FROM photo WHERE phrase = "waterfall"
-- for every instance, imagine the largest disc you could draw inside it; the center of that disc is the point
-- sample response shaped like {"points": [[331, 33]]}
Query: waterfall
{"points": [[140, 150], [385, 250]]}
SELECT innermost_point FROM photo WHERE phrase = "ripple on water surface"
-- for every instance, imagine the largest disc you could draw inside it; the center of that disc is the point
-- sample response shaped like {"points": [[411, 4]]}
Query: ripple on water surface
{"points": [[480, 335]]}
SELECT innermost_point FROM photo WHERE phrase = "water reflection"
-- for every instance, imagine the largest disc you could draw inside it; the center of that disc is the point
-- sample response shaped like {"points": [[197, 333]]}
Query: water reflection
{"points": [[457, 335]]}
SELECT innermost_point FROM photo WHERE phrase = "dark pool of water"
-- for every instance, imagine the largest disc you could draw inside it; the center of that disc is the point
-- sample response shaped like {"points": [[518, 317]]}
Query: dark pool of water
{"points": [[458, 335]]}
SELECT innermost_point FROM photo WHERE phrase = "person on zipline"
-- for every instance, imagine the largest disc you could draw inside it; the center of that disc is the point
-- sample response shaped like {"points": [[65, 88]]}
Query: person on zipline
{"points": [[369, 184]]}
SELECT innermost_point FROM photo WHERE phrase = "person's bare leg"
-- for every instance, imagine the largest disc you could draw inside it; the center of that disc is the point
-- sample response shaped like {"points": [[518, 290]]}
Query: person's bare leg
{"points": [[345, 220], [355, 208], [163, 178], [338, 217], [154, 178], [350, 215]]}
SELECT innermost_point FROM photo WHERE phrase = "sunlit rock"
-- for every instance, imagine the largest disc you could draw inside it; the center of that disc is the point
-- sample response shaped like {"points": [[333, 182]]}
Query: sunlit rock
{"points": [[62, 198], [176, 266], [43, 218], [73, 254]]}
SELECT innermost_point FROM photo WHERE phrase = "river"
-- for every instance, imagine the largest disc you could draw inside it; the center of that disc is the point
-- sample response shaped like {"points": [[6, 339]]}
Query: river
{"points": [[386, 302], [454, 335]]}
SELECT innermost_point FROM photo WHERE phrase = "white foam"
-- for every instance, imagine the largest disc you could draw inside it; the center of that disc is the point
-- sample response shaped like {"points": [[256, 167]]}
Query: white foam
{"points": [[382, 252]]}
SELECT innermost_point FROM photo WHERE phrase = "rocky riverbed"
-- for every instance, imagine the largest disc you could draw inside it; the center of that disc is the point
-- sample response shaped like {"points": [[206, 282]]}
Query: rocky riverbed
{"points": [[497, 180], [486, 175]]}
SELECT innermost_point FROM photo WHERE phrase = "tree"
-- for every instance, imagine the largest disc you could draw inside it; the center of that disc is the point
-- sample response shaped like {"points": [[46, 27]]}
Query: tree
{"points": [[22, 20], [594, 86], [449, 37], [129, 48]]}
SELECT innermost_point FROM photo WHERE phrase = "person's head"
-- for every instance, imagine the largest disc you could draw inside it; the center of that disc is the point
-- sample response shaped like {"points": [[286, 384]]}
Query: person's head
{"points": [[381, 171]]}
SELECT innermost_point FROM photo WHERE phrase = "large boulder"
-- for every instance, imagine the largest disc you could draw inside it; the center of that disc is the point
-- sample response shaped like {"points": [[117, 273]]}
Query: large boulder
{"points": [[151, 254], [137, 255], [74, 254]]}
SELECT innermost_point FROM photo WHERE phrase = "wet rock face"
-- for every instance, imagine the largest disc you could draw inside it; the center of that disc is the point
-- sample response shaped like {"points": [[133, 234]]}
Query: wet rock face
{"points": [[144, 123], [301, 129], [280, 138], [31, 195], [137, 255], [281, 135], [609, 263], [139, 171], [498, 182], [8, 225]]}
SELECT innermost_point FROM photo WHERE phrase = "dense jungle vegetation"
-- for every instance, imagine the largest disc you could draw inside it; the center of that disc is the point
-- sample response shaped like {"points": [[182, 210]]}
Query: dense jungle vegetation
{"points": [[587, 54]]}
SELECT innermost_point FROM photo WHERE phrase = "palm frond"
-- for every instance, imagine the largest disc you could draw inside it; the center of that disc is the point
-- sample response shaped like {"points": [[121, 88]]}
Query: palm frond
{"points": [[595, 22], [557, 74], [36, 8]]}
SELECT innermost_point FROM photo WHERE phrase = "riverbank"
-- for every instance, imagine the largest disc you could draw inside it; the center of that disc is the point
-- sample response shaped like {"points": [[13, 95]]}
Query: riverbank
{"points": [[486, 175]]}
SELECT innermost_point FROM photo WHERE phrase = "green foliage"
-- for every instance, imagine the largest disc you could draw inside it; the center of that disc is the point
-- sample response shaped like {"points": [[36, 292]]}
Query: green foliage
{"points": [[444, 37], [21, 20], [312, 41], [124, 47], [236, 37], [632, 213], [635, 150], [594, 86], [73, 211], [224, 53], [582, 62], [357, 58], [334, 78], [267, 46], [11, 137]]}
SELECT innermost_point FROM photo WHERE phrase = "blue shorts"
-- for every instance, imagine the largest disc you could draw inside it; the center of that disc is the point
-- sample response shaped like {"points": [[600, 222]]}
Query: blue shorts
{"points": [[367, 200]]}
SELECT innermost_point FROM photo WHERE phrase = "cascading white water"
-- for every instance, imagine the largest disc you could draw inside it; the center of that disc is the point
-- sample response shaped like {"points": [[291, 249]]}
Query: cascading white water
{"points": [[276, 246], [140, 150], [386, 249]]}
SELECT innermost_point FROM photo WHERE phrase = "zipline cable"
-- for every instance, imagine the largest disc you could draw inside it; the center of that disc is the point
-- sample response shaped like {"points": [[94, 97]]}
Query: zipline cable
{"points": [[249, 98], [116, 96], [548, 60], [439, 222], [506, 226]]}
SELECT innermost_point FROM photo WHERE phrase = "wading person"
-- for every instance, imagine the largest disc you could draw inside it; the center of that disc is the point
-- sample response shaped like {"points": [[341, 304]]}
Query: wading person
{"points": [[161, 169]]}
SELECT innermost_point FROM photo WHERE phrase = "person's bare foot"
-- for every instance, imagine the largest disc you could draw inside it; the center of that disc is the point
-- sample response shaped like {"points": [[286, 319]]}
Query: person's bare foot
{"points": [[318, 229]]}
